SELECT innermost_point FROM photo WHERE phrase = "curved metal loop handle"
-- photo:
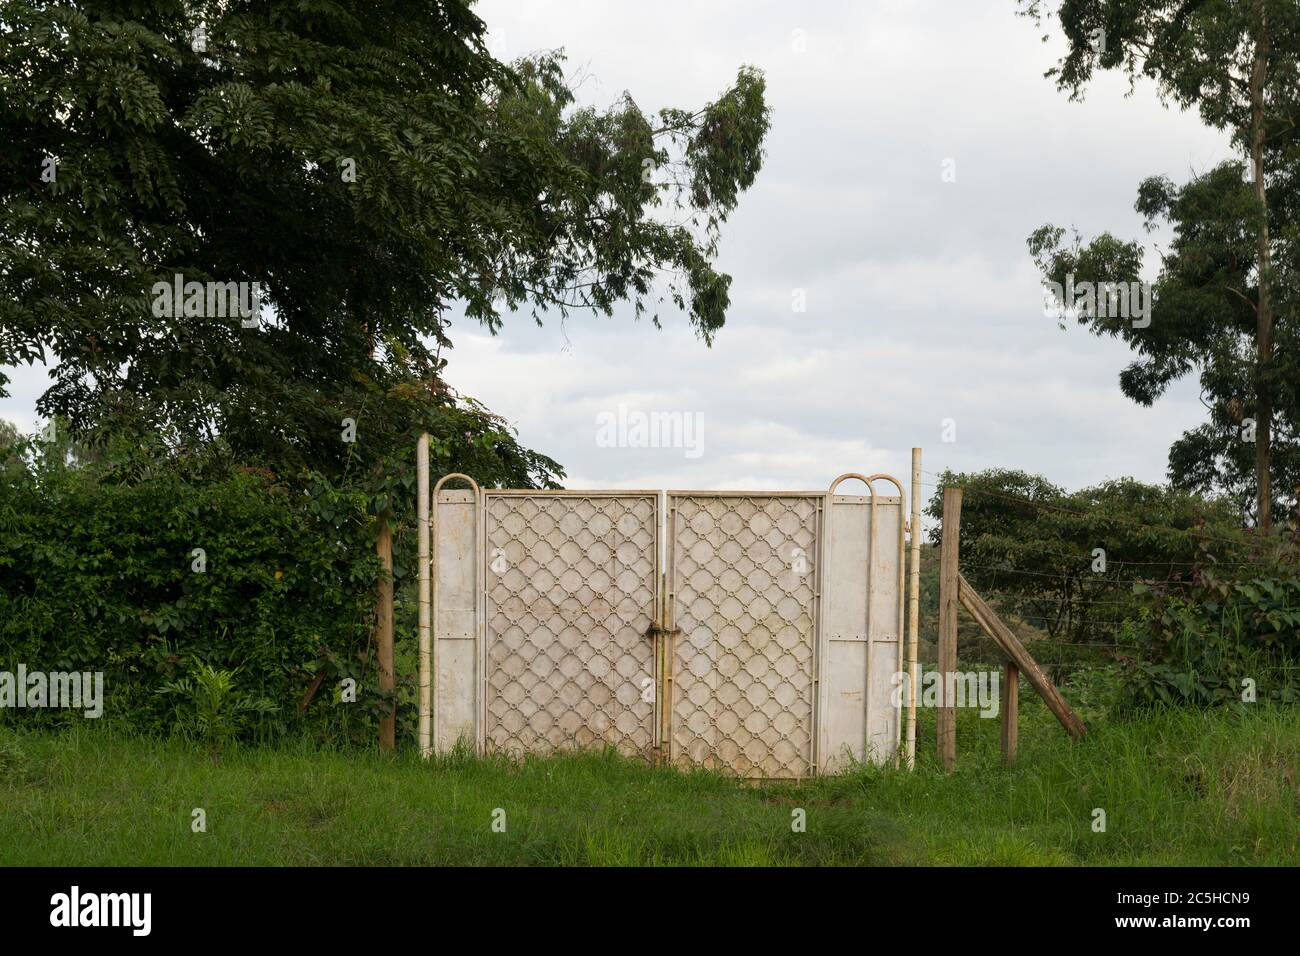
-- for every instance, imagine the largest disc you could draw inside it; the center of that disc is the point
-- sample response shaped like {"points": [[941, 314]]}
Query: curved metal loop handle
{"points": [[881, 476], [867, 480], [852, 474], [456, 474]]}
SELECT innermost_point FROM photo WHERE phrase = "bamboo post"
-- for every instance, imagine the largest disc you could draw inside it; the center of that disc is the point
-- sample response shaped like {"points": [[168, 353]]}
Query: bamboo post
{"points": [[384, 631], [1010, 712], [946, 723], [913, 607], [423, 595]]}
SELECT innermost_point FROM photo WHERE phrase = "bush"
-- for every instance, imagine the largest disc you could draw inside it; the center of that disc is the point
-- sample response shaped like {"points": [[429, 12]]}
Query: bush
{"points": [[1066, 562], [1201, 642], [145, 567]]}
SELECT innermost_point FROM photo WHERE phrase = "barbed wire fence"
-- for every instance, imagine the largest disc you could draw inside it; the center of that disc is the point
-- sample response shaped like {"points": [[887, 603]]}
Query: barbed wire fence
{"points": [[1119, 572]]}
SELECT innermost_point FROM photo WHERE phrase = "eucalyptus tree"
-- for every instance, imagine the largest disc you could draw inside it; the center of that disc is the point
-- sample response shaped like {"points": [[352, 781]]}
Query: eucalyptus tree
{"points": [[1224, 303]]}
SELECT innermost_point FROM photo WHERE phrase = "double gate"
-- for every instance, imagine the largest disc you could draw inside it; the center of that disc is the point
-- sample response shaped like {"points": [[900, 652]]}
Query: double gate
{"points": [[757, 632]]}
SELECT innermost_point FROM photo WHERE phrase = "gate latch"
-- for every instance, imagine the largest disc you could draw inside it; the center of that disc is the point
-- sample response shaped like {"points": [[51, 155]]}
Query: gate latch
{"points": [[654, 630]]}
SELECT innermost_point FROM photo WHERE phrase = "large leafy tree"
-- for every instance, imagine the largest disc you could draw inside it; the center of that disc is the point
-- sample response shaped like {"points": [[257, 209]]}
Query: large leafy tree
{"points": [[1224, 303], [368, 165]]}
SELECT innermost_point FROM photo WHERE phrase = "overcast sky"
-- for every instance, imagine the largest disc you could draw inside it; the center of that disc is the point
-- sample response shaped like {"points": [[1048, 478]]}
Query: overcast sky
{"points": [[921, 301]]}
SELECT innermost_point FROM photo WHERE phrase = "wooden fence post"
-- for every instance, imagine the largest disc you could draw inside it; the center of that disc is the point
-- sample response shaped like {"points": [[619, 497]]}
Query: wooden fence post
{"points": [[1010, 712], [946, 722], [384, 631]]}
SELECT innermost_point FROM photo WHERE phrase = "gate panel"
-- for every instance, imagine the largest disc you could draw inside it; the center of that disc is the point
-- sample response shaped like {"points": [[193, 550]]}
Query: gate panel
{"points": [[571, 594], [456, 656], [744, 605], [861, 649]]}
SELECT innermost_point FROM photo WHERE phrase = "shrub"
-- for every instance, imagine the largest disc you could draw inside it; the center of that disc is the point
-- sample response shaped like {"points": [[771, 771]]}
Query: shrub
{"points": [[210, 709], [143, 568], [1200, 642], [1066, 562]]}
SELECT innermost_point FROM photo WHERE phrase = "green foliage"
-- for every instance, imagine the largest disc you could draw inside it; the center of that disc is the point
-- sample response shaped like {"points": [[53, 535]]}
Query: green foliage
{"points": [[1198, 55], [99, 572], [1203, 319], [475, 181], [13, 758], [1029, 546], [1202, 640], [98, 568], [210, 710], [1188, 603]]}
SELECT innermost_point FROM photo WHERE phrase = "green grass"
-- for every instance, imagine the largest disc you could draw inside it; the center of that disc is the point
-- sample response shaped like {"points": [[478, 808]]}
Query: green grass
{"points": [[1177, 788]]}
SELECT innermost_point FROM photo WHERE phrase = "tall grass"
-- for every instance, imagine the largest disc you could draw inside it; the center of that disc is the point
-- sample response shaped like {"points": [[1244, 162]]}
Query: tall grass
{"points": [[1176, 788]]}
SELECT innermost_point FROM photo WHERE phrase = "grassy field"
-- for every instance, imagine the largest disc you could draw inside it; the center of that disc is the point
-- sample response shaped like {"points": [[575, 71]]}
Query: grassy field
{"points": [[1176, 788]]}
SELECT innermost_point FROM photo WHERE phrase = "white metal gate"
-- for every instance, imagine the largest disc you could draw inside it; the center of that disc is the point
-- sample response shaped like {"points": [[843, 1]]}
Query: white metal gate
{"points": [[743, 612], [756, 632], [571, 597]]}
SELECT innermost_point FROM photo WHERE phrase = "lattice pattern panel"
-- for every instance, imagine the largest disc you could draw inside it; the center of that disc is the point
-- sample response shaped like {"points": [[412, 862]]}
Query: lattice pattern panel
{"points": [[745, 588], [570, 596]]}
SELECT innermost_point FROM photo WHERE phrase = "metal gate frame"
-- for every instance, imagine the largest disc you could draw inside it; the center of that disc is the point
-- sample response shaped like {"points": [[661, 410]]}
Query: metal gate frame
{"points": [[443, 668]]}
